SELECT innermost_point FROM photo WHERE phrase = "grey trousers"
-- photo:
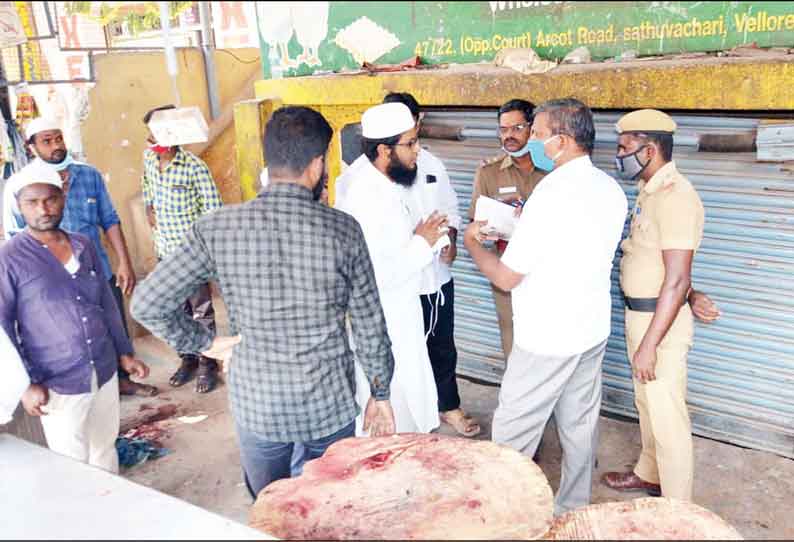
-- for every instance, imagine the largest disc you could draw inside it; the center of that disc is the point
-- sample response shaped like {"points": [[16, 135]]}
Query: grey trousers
{"points": [[536, 386]]}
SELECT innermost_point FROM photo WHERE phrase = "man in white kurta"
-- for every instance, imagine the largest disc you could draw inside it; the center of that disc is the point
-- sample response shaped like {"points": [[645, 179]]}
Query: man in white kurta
{"points": [[376, 195], [433, 192]]}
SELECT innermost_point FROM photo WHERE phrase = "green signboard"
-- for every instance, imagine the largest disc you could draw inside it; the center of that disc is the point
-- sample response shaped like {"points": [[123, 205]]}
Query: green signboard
{"points": [[301, 38]]}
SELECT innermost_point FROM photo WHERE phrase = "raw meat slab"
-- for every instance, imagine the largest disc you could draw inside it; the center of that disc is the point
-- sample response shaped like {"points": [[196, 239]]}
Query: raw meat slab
{"points": [[409, 486], [642, 519]]}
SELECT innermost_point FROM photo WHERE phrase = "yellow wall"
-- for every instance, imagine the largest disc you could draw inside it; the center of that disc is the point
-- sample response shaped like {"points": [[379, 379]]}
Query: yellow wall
{"points": [[128, 85], [695, 84], [685, 84]]}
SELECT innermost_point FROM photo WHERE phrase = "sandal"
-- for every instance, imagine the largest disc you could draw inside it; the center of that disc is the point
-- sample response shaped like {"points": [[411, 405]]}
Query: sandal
{"points": [[463, 424], [207, 375], [185, 371]]}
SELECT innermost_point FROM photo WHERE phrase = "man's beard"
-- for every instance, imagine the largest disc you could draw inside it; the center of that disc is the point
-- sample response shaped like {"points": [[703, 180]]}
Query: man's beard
{"points": [[400, 173], [317, 191], [56, 157], [41, 226]]}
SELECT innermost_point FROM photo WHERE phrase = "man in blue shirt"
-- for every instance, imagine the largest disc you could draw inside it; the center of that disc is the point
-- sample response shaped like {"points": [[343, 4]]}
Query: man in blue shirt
{"points": [[88, 209], [59, 312]]}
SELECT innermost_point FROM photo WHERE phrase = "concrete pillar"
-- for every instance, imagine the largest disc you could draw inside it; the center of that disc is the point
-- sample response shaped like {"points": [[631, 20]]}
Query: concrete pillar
{"points": [[250, 118]]}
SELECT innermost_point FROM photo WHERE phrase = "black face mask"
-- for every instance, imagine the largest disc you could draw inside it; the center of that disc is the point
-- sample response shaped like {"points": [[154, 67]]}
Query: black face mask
{"points": [[401, 174], [317, 191]]}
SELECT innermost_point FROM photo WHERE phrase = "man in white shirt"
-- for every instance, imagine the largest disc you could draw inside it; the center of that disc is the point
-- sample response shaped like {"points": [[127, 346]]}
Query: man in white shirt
{"points": [[14, 379], [376, 194], [433, 191], [558, 266]]}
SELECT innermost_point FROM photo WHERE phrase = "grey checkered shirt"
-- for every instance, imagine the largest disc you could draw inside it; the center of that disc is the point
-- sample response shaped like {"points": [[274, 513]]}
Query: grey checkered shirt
{"points": [[290, 269]]}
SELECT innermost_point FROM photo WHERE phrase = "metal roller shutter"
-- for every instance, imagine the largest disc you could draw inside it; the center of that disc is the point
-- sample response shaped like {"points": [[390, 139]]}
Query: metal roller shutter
{"points": [[741, 369]]}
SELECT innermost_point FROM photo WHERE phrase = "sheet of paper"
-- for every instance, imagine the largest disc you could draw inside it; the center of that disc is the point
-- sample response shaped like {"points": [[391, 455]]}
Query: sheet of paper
{"points": [[500, 216], [442, 243]]}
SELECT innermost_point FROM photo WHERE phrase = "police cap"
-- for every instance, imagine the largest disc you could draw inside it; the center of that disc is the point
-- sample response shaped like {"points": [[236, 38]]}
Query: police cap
{"points": [[646, 120]]}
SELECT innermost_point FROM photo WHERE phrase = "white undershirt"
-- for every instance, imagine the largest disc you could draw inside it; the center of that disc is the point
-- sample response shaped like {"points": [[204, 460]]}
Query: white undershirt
{"points": [[72, 265], [424, 198]]}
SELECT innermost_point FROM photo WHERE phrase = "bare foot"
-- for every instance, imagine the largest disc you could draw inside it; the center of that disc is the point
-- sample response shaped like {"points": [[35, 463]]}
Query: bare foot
{"points": [[207, 375], [128, 387]]}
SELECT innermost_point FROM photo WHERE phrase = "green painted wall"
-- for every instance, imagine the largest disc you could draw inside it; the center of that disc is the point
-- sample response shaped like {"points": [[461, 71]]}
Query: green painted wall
{"points": [[311, 37]]}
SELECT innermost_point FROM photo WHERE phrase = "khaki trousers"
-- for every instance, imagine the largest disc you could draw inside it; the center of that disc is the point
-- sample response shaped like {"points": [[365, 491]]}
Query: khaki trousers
{"points": [[667, 454], [85, 426], [504, 312]]}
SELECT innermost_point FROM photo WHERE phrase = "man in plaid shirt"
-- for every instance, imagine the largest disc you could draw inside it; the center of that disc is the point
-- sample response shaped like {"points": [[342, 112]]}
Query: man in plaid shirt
{"points": [[290, 269], [177, 190]]}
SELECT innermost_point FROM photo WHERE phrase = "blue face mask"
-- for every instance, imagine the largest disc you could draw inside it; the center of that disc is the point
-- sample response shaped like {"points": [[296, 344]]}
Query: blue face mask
{"points": [[63, 164], [537, 151], [520, 152]]}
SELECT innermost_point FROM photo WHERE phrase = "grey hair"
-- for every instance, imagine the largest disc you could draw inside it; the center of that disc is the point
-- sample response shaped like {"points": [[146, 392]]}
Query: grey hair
{"points": [[569, 116]]}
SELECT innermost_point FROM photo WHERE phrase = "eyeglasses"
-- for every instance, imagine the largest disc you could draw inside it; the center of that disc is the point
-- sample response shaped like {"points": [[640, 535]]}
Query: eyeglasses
{"points": [[410, 143], [517, 128]]}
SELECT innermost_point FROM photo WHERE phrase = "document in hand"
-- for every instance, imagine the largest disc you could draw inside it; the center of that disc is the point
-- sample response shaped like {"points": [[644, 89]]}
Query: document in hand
{"points": [[500, 216], [441, 244]]}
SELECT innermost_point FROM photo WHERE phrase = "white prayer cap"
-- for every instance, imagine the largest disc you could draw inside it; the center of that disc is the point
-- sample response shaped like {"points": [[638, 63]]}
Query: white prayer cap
{"points": [[40, 124], [386, 120], [36, 172]]}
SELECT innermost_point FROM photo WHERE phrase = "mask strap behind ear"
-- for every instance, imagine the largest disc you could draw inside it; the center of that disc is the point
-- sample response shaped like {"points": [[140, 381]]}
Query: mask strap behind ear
{"points": [[645, 145], [556, 156]]}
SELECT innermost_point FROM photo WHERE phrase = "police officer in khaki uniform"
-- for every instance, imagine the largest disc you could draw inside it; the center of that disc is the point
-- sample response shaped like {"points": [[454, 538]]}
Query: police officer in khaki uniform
{"points": [[666, 231], [509, 177]]}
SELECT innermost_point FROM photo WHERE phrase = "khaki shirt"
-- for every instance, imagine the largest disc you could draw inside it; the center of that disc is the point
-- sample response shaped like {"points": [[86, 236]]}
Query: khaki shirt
{"points": [[501, 179], [668, 215]]}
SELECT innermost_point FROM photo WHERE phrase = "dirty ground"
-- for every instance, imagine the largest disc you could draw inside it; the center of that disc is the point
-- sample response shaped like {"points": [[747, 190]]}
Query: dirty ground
{"points": [[751, 490]]}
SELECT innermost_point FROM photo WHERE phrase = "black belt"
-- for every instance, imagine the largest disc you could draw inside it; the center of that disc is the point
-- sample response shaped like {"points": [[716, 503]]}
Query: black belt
{"points": [[640, 304]]}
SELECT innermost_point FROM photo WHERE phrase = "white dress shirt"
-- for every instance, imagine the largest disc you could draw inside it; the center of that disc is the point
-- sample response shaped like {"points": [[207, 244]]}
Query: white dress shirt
{"points": [[433, 191], [564, 244], [14, 378]]}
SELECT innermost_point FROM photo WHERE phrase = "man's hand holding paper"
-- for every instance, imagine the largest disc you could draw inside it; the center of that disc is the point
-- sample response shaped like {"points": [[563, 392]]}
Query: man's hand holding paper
{"points": [[500, 217]]}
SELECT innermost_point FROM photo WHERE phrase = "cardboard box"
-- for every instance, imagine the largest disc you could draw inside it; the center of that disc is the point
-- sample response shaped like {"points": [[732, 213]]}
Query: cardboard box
{"points": [[181, 126]]}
